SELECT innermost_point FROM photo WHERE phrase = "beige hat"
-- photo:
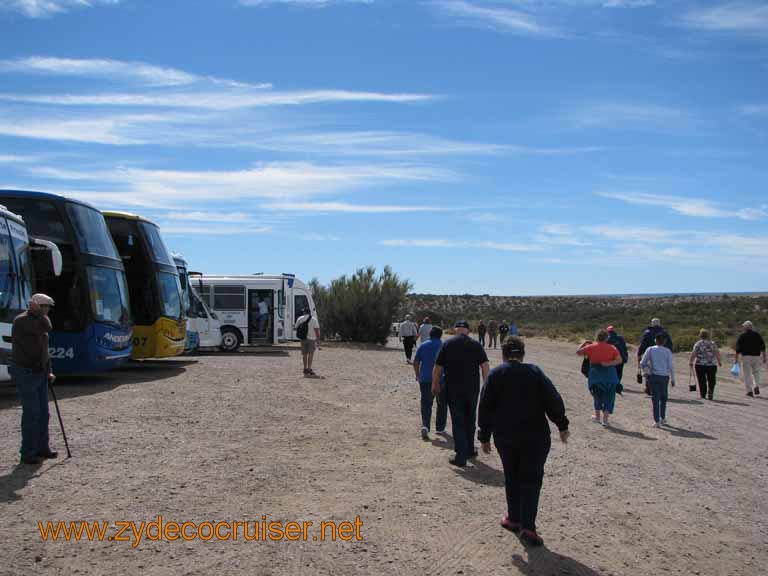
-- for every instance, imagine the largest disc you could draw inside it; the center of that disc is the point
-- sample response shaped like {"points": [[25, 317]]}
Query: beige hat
{"points": [[41, 300]]}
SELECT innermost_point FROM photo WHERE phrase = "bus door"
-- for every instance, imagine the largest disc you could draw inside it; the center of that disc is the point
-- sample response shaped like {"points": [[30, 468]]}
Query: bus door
{"points": [[261, 316]]}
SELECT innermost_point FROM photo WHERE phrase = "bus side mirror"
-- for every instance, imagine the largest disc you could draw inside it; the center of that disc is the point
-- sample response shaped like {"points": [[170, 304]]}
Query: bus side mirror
{"points": [[55, 254]]}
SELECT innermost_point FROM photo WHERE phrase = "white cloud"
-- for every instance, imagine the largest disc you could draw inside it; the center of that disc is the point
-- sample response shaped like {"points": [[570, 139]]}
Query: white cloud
{"points": [[221, 100], [443, 243], [278, 181], [631, 115], [330, 207], [696, 207], [214, 230], [139, 72], [754, 110], [560, 235], [746, 17], [305, 3], [502, 19], [44, 8], [228, 217], [115, 130]]}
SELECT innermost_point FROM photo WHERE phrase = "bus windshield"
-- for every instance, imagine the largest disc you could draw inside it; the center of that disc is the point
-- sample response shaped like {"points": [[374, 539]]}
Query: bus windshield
{"points": [[109, 295], [170, 295], [92, 234], [157, 248]]}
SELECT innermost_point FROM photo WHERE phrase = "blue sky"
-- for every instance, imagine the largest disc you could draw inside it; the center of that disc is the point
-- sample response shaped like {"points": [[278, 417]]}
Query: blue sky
{"points": [[504, 147]]}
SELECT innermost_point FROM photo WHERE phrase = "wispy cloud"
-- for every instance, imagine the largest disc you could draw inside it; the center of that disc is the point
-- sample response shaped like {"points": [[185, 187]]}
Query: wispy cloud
{"points": [[560, 235], [305, 3], [214, 230], [207, 100], [754, 110], [444, 243], [283, 181], [346, 207], [745, 17], [497, 18], [45, 8], [229, 217], [631, 115], [137, 72], [696, 207]]}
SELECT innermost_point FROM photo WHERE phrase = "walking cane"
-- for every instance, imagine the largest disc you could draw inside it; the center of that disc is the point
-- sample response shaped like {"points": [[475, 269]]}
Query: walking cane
{"points": [[61, 424]]}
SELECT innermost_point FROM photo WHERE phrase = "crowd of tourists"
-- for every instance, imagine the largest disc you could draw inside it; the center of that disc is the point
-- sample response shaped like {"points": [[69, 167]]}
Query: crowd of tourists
{"points": [[516, 398]]}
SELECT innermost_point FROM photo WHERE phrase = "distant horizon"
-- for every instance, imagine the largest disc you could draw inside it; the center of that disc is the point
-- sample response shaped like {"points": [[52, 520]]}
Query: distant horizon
{"points": [[608, 295]]}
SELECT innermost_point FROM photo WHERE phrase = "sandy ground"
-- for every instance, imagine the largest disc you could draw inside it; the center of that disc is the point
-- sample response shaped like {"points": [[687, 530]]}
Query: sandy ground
{"points": [[237, 437]]}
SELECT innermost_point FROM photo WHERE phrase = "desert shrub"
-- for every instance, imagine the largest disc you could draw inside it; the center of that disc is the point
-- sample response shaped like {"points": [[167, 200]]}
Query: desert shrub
{"points": [[361, 307]]}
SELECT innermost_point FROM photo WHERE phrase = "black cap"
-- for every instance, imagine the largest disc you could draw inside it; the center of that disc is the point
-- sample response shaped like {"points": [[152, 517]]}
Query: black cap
{"points": [[462, 324]]}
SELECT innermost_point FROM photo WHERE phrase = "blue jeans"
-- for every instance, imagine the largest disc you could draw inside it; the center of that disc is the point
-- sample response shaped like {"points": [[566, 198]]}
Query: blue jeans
{"points": [[463, 421], [658, 385], [32, 390], [426, 406]]}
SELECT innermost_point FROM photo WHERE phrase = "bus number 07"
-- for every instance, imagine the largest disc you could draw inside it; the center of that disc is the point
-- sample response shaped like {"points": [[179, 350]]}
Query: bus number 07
{"points": [[140, 341], [61, 353]]}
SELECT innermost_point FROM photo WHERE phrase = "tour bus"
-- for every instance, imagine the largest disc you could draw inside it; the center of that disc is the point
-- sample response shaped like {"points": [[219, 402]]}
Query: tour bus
{"points": [[203, 329], [256, 309], [16, 276], [160, 325], [92, 318]]}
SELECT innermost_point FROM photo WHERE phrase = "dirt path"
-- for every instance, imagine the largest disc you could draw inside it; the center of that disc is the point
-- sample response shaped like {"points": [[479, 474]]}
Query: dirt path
{"points": [[223, 438]]}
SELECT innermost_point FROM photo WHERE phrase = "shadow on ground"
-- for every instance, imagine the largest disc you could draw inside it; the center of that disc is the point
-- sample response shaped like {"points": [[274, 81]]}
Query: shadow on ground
{"points": [[85, 385], [19, 477], [542, 561], [629, 433]]}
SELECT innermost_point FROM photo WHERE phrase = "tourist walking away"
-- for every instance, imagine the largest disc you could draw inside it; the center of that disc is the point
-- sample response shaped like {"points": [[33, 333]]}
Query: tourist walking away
{"points": [[503, 331], [618, 342], [408, 333], [493, 332], [481, 329], [658, 365], [424, 329], [512, 328], [308, 332], [705, 359], [423, 366], [749, 348], [462, 359], [515, 403], [602, 379], [31, 372], [648, 339]]}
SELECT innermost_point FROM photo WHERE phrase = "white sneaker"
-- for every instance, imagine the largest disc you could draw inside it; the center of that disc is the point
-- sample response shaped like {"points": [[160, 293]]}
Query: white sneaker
{"points": [[657, 425], [424, 433], [595, 419], [663, 422]]}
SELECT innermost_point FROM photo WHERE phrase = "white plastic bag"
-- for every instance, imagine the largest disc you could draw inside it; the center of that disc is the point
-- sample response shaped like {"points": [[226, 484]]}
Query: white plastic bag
{"points": [[736, 369]]}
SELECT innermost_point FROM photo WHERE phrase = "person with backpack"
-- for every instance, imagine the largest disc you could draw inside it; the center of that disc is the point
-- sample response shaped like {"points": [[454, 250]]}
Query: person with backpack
{"points": [[649, 339], [308, 332], [503, 331], [618, 342]]}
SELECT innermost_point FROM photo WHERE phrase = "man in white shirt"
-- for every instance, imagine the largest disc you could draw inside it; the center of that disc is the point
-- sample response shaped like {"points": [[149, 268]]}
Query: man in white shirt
{"points": [[309, 341], [424, 329], [408, 333], [263, 317]]}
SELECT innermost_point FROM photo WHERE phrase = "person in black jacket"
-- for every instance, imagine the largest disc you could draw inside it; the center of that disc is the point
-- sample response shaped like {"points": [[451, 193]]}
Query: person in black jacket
{"points": [[515, 403]]}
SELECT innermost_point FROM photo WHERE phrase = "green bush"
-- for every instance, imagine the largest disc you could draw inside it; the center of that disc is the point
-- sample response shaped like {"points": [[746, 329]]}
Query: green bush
{"points": [[361, 307]]}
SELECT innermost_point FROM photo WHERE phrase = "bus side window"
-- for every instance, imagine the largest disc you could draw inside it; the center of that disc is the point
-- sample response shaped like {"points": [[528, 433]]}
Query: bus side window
{"points": [[229, 297]]}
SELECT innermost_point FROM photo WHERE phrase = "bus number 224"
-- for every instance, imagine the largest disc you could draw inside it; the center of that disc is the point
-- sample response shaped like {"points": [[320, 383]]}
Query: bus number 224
{"points": [[61, 353]]}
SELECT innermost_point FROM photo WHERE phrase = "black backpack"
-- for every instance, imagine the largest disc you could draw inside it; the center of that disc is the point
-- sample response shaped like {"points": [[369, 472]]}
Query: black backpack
{"points": [[303, 328]]}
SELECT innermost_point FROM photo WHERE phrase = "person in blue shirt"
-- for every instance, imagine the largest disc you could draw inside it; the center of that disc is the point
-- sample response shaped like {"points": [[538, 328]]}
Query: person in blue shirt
{"points": [[423, 364]]}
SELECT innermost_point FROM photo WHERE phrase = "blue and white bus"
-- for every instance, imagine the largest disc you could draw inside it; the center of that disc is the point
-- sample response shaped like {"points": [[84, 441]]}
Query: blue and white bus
{"points": [[92, 319]]}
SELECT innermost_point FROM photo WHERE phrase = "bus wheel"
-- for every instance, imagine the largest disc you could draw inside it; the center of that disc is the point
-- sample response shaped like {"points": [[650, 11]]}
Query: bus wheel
{"points": [[230, 340]]}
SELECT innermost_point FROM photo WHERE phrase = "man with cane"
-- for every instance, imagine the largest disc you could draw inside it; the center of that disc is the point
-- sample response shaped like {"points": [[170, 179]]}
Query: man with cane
{"points": [[31, 372]]}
